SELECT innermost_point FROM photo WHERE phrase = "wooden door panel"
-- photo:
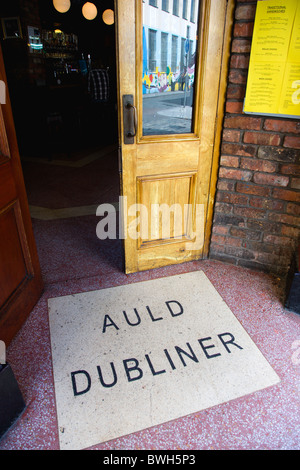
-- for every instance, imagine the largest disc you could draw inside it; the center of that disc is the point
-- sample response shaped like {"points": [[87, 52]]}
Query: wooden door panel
{"points": [[20, 276], [4, 147], [160, 157], [165, 197], [12, 256]]}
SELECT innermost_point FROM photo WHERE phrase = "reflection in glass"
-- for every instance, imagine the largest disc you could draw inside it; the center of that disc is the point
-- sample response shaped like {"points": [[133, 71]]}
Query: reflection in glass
{"points": [[169, 64]]}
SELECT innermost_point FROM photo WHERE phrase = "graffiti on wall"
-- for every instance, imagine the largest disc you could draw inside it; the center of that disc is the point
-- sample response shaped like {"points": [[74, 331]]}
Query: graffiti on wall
{"points": [[158, 82]]}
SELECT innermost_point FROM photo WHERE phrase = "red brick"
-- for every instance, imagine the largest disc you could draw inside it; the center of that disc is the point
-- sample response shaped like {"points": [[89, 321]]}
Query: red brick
{"points": [[249, 212], [223, 208], [292, 142], [245, 12], [252, 189], [226, 185], [266, 203], [239, 61], [241, 45], [261, 138], [276, 240], [236, 92], [234, 107], [225, 219], [274, 180], [233, 241], [238, 252], [258, 165], [220, 229], [238, 149], [286, 195], [242, 175], [264, 226], [242, 122], [289, 231], [269, 258], [230, 161], [279, 154], [282, 126], [285, 219], [293, 208], [219, 239], [290, 169], [238, 76], [295, 183], [231, 136], [232, 198], [265, 247], [239, 199], [243, 29], [245, 233], [216, 252]]}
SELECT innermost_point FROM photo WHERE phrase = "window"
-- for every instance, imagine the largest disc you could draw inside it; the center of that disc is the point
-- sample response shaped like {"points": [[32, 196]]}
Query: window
{"points": [[182, 54], [184, 9], [192, 11], [152, 50], [164, 52], [191, 60], [176, 7], [174, 53], [165, 5], [153, 3]]}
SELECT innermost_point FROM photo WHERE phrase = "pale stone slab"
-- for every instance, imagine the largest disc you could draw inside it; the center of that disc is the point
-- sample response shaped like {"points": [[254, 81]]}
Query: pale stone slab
{"points": [[131, 357]]}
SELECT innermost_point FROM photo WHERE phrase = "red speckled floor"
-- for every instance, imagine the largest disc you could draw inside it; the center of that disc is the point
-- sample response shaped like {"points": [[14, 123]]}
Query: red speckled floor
{"points": [[73, 260]]}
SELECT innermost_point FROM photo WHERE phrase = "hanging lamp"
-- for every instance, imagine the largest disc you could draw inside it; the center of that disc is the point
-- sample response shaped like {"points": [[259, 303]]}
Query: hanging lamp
{"points": [[62, 6], [89, 11], [108, 17]]}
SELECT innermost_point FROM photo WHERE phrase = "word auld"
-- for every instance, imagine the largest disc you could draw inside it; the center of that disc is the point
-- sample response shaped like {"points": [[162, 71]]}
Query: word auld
{"points": [[173, 306]]}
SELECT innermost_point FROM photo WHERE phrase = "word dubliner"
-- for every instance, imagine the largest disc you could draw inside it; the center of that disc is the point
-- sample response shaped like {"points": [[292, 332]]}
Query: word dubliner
{"points": [[138, 366]]}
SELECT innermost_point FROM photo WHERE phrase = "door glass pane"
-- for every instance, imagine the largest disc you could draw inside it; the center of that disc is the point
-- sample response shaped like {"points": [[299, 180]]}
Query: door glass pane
{"points": [[169, 64]]}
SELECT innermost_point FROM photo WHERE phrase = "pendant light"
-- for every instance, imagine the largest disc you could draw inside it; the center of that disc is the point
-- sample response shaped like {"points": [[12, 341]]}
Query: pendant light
{"points": [[89, 11], [62, 5], [108, 17]]}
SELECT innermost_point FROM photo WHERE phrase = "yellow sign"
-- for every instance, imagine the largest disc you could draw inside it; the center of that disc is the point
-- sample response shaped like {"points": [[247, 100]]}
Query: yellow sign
{"points": [[273, 85]]}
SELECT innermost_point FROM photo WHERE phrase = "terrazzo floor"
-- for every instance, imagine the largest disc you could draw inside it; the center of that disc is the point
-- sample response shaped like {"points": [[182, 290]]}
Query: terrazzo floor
{"points": [[73, 260]]}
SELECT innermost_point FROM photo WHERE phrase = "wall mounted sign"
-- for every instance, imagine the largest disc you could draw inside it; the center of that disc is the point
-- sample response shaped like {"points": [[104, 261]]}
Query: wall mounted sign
{"points": [[273, 85]]}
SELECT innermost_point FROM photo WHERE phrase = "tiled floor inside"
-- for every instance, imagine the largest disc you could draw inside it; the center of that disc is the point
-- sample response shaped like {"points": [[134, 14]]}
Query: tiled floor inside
{"points": [[74, 260]]}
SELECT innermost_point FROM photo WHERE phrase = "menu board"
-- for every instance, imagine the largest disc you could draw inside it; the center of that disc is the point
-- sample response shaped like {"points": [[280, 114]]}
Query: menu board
{"points": [[273, 85]]}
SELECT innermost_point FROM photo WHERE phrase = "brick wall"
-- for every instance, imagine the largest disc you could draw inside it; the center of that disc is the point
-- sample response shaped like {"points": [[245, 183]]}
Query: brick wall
{"points": [[257, 210]]}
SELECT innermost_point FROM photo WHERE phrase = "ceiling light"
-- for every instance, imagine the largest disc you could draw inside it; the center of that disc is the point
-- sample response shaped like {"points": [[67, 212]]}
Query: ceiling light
{"points": [[108, 17], [62, 5], [89, 11]]}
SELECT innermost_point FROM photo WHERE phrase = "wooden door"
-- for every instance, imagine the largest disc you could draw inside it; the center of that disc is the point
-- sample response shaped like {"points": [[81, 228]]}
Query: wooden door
{"points": [[20, 276], [172, 69]]}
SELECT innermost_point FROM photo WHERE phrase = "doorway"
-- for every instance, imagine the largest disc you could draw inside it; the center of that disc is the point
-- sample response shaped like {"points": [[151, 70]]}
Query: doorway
{"points": [[61, 71]]}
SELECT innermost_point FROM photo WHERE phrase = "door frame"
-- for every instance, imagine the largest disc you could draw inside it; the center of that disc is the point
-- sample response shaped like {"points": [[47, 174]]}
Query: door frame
{"points": [[228, 27], [211, 163]]}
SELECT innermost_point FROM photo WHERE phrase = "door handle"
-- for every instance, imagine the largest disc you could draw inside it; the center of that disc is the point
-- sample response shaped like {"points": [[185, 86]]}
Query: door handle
{"points": [[130, 121], [129, 133]]}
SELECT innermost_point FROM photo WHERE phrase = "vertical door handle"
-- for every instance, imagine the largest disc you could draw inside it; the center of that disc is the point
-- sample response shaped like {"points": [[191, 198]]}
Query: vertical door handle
{"points": [[132, 107], [129, 119]]}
